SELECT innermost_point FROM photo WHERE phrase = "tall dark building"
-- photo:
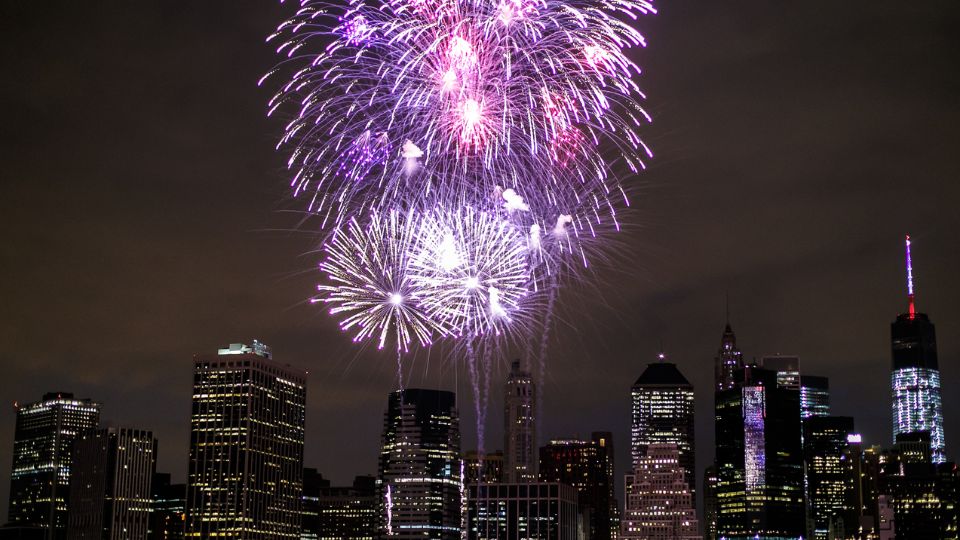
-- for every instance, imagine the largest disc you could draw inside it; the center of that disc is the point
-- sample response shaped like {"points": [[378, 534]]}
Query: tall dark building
{"points": [[110, 490], [519, 426], [663, 411], [710, 481], [529, 510], [483, 468], [787, 368], [814, 396], [246, 446], [831, 484], [759, 459], [915, 379], [421, 474], [169, 508], [587, 466], [729, 359], [42, 459], [339, 513]]}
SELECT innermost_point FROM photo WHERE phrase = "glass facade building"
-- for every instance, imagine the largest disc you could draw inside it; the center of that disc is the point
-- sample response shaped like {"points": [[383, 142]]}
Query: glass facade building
{"points": [[169, 508], [246, 446], [832, 484], [42, 460], [915, 380], [814, 396], [420, 483]]}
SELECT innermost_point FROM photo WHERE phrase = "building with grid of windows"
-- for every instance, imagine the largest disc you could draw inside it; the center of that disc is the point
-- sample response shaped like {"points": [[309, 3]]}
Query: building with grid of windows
{"points": [[662, 413], [42, 460], [110, 492], [519, 426], [814, 396], [338, 512], [246, 446], [832, 487], [586, 465], [529, 510], [420, 481], [169, 508], [659, 502]]}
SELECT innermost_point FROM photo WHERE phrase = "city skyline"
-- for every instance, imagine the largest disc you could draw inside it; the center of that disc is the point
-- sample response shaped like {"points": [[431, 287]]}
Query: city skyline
{"points": [[119, 273]]}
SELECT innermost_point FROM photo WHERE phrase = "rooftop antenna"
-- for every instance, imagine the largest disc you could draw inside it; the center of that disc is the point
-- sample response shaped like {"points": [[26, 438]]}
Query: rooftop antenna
{"points": [[910, 303]]}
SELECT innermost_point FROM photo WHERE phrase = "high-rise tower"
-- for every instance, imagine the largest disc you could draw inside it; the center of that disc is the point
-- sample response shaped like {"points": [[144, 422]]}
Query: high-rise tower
{"points": [[519, 426], [246, 446], [421, 491], [110, 495], [729, 360], [42, 459], [588, 466], [915, 379], [662, 413]]}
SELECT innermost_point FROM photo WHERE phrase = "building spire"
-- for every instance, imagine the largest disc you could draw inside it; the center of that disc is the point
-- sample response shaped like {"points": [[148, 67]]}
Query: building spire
{"points": [[910, 301]]}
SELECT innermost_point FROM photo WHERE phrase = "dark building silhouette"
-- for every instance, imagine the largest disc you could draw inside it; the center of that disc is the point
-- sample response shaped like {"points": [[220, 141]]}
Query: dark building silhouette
{"points": [[529, 510], [110, 492], [519, 426], [915, 379], [42, 460], [831, 483], [759, 458], [586, 465], [710, 481], [246, 446], [728, 361], [338, 513], [169, 508], [420, 479], [663, 413]]}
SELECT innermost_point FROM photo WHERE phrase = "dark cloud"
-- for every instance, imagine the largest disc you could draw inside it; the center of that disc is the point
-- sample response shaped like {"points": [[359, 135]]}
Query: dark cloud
{"points": [[796, 142]]}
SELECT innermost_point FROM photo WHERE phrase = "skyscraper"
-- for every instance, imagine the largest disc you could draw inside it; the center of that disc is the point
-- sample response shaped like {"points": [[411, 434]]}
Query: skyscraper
{"points": [[787, 368], [814, 396], [110, 493], [659, 501], [519, 426], [663, 410], [915, 380], [729, 359], [925, 495], [587, 466], [710, 481], [246, 445], [483, 468], [529, 510], [42, 459], [831, 487], [759, 459], [421, 491]]}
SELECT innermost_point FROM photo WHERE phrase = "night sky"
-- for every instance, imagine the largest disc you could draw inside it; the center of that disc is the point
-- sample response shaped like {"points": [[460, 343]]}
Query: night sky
{"points": [[145, 219]]}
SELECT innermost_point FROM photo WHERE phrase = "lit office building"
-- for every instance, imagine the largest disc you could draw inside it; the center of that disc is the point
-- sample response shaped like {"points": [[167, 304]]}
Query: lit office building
{"points": [[710, 481], [338, 513], [42, 459], [924, 494], [528, 510], [659, 502], [587, 466], [110, 492], [814, 396], [831, 484], [484, 468], [169, 508], [760, 486], [519, 426], [246, 446], [915, 379], [663, 411], [421, 490]]}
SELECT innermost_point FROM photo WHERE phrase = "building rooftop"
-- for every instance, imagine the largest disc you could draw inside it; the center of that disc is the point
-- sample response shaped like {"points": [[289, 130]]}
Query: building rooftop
{"points": [[662, 373]]}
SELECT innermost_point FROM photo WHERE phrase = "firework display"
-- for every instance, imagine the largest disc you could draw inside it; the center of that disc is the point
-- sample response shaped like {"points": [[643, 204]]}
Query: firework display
{"points": [[458, 152]]}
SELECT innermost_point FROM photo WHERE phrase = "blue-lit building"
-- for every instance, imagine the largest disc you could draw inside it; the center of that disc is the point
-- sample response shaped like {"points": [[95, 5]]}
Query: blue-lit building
{"points": [[915, 378]]}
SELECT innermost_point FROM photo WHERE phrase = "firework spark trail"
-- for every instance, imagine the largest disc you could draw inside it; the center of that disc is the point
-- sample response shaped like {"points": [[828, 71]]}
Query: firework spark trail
{"points": [[478, 405], [544, 344]]}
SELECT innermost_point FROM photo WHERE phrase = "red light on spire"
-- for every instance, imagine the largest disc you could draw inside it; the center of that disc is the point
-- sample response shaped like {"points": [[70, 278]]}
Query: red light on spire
{"points": [[910, 304]]}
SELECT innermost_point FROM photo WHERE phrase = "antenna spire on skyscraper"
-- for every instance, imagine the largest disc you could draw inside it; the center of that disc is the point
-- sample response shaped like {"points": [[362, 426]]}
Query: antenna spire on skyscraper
{"points": [[910, 303]]}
